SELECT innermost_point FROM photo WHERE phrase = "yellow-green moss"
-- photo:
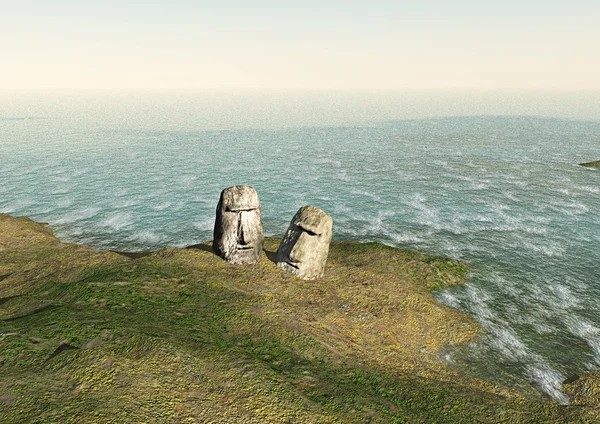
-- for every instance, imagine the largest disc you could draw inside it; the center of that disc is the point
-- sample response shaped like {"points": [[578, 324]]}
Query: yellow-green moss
{"points": [[182, 336]]}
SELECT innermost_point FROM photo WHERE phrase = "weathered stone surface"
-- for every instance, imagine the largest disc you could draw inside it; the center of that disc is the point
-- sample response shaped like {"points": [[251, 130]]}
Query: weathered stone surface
{"points": [[305, 246], [238, 234]]}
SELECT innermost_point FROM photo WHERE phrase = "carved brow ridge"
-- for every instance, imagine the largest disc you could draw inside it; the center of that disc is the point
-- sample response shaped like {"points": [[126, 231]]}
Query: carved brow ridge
{"points": [[228, 209], [306, 230]]}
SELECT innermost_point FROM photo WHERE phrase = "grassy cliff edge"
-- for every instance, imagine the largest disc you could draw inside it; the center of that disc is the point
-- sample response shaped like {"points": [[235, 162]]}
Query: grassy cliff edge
{"points": [[182, 336]]}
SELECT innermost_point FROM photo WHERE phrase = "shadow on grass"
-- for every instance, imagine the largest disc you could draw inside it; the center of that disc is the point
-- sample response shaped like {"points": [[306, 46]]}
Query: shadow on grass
{"points": [[3, 300], [202, 246], [133, 255], [272, 256]]}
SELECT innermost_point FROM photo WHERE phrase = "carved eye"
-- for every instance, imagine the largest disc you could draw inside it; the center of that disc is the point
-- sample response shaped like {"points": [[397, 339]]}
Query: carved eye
{"points": [[237, 210], [302, 229]]}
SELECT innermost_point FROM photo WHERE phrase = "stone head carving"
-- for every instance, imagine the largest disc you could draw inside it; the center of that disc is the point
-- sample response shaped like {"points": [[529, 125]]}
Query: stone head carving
{"points": [[238, 235], [305, 246]]}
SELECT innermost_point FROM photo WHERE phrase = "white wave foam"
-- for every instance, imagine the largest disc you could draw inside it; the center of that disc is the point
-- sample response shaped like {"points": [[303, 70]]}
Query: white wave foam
{"points": [[452, 250], [478, 299], [187, 179], [427, 216], [8, 169], [59, 179], [64, 203], [205, 224], [80, 172], [441, 163], [474, 218], [182, 243], [588, 189], [75, 216], [540, 326], [17, 206], [479, 186], [551, 249], [538, 218], [201, 200], [402, 238], [448, 299], [506, 285], [505, 340], [570, 208], [377, 223], [585, 330], [342, 175], [146, 237], [42, 210], [126, 203], [63, 190], [406, 176], [327, 161], [162, 206], [373, 196], [549, 381], [518, 226], [118, 221], [510, 196], [564, 295], [73, 234], [342, 210], [178, 206], [534, 230], [518, 183]]}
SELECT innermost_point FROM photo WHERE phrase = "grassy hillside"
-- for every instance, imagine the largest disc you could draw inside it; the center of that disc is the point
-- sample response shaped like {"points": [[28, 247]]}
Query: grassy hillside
{"points": [[180, 336]]}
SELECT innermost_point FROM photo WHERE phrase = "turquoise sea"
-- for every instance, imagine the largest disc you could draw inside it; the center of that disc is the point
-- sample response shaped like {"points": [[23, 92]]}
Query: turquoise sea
{"points": [[490, 178]]}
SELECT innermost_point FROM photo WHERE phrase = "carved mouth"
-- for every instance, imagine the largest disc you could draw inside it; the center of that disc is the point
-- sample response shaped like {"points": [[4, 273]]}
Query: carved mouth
{"points": [[244, 247], [292, 265]]}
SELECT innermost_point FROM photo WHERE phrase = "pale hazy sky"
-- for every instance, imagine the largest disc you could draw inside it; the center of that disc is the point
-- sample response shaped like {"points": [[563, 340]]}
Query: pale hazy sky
{"points": [[304, 44]]}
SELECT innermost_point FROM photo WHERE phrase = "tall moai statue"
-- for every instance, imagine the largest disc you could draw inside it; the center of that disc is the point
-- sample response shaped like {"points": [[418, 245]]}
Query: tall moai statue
{"points": [[305, 246], [238, 234]]}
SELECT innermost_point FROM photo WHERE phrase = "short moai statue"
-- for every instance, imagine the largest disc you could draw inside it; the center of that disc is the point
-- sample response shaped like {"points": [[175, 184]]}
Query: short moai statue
{"points": [[305, 246], [238, 234]]}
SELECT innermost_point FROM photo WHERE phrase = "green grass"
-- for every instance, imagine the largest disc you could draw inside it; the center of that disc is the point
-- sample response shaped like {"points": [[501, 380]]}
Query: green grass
{"points": [[182, 336]]}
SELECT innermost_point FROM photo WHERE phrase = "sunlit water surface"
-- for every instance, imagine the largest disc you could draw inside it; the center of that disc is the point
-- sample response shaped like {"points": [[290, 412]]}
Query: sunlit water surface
{"points": [[487, 178]]}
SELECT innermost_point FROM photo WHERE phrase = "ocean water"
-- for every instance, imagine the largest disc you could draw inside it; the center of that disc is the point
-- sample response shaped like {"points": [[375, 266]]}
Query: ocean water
{"points": [[487, 178]]}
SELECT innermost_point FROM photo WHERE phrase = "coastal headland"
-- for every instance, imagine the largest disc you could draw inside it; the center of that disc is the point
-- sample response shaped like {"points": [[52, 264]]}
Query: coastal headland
{"points": [[180, 335], [594, 164]]}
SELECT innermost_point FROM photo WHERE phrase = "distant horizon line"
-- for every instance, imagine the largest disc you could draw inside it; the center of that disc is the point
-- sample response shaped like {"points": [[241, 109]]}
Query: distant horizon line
{"points": [[316, 89]]}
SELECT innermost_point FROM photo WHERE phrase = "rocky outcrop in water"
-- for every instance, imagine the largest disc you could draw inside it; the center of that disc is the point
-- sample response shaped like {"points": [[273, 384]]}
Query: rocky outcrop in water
{"points": [[305, 246], [595, 164], [238, 233]]}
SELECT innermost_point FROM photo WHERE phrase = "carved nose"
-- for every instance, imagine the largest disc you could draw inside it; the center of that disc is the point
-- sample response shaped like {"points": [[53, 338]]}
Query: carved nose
{"points": [[241, 233], [296, 253]]}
